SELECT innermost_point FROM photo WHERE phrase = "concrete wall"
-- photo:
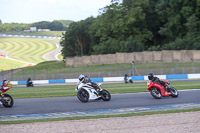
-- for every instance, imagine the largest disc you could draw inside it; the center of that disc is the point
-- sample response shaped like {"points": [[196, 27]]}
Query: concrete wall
{"points": [[146, 56]]}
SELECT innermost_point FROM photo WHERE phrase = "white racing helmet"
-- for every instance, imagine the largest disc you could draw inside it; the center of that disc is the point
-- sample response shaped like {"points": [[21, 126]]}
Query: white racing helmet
{"points": [[81, 77]]}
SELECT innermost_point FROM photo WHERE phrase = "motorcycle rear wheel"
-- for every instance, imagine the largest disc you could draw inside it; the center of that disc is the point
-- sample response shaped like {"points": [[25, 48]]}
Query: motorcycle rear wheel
{"points": [[7, 101], [105, 95], [174, 92], [83, 95], [155, 92]]}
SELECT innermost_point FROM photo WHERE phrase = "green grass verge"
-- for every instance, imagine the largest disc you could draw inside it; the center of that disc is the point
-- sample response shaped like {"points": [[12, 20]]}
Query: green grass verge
{"points": [[69, 90], [60, 57], [106, 70], [104, 116], [7, 64]]}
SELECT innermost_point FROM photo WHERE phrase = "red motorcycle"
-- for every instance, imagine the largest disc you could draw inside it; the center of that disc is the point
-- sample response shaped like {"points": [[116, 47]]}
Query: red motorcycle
{"points": [[5, 99], [158, 91]]}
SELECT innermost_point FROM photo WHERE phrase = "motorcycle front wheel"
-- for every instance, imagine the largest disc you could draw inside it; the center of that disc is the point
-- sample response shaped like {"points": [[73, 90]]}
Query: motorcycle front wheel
{"points": [[83, 95], [7, 101], [174, 92], [155, 92], [105, 95]]}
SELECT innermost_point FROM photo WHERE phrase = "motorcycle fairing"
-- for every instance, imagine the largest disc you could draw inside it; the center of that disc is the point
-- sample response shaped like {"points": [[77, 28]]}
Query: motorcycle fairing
{"points": [[160, 87], [93, 94], [5, 89]]}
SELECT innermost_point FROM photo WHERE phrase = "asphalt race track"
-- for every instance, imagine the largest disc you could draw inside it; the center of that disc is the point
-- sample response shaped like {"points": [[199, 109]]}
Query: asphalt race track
{"points": [[51, 56], [118, 101]]}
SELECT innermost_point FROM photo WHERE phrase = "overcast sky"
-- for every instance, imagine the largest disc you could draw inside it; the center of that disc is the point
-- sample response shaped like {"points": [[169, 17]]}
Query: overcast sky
{"points": [[29, 11]]}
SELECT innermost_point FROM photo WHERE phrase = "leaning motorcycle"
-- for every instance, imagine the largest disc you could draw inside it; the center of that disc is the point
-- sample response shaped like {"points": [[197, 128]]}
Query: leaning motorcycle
{"points": [[158, 91], [86, 92], [5, 99]]}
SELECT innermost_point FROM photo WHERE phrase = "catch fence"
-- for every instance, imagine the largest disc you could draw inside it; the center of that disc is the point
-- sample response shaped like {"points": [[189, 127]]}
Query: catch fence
{"points": [[115, 70]]}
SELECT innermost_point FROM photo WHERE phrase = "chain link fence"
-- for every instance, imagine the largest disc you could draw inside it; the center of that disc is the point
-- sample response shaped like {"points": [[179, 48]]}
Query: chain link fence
{"points": [[115, 70]]}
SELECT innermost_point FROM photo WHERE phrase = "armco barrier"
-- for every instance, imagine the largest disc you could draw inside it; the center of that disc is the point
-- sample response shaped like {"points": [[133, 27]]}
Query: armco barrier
{"points": [[21, 82], [193, 76], [179, 76], [57, 81], [29, 36], [110, 79], [97, 79], [137, 77]]}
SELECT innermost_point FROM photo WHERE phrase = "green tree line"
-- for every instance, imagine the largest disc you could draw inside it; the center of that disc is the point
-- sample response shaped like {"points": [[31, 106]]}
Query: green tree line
{"points": [[10, 27], [56, 25], [136, 25]]}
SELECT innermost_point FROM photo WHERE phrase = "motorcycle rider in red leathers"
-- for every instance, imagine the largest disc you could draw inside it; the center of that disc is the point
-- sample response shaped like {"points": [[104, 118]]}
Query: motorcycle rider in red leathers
{"points": [[4, 86], [156, 79]]}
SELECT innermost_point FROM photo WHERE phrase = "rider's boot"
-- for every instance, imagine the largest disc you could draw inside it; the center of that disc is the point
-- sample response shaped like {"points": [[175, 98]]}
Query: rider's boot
{"points": [[166, 88], [97, 89]]}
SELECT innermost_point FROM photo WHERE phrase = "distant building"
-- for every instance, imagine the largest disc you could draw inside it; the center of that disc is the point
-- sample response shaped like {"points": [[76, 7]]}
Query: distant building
{"points": [[33, 28], [43, 30], [39, 30], [27, 30], [46, 30]]}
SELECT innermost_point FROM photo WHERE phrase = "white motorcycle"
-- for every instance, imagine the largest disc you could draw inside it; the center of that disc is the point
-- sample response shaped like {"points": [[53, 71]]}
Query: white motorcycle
{"points": [[86, 92]]}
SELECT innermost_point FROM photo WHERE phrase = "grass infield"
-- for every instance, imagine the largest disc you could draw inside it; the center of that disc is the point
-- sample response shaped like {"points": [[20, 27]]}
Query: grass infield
{"points": [[26, 49], [7, 64]]}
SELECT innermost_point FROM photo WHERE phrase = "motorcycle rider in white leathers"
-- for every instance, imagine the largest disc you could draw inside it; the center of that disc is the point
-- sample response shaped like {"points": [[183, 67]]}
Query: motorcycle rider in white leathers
{"points": [[85, 80]]}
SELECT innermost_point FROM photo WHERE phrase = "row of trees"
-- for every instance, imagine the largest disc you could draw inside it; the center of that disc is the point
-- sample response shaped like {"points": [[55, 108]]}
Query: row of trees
{"points": [[136, 25], [10, 27], [56, 25]]}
